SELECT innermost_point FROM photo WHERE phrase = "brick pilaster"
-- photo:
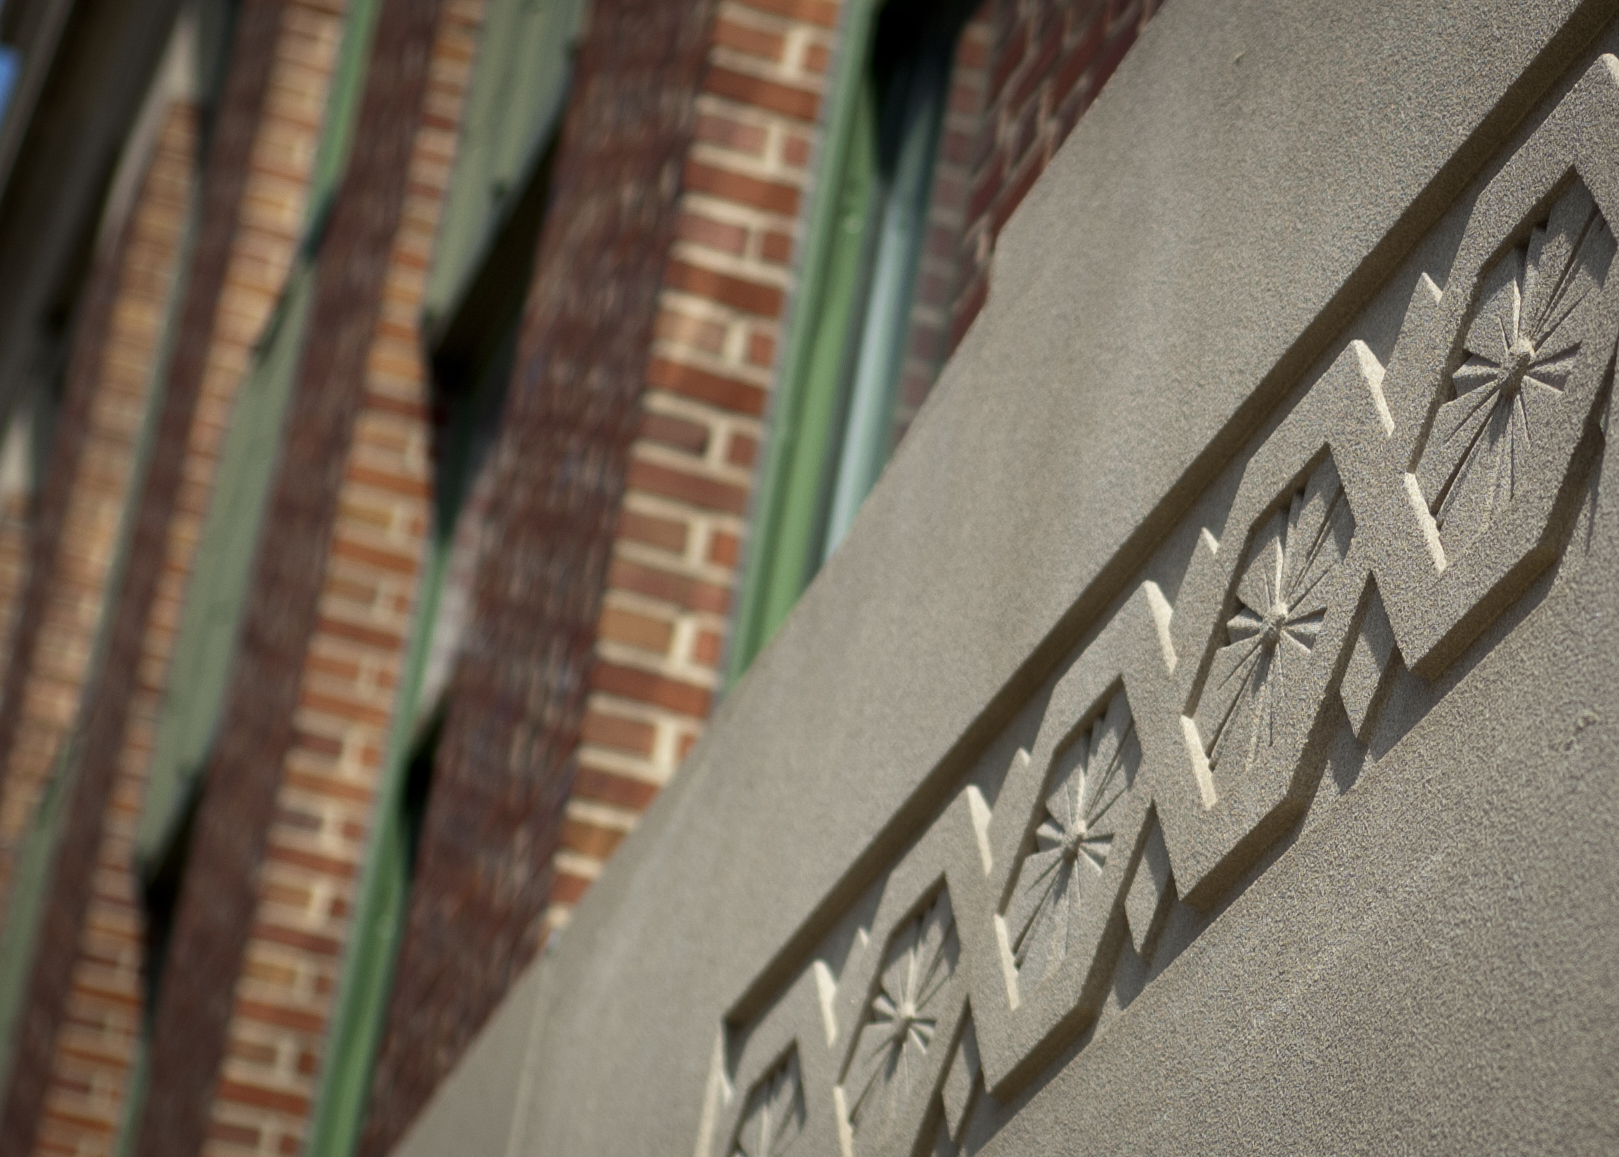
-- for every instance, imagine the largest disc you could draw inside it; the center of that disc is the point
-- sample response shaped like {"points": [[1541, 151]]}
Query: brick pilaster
{"points": [[303, 899], [660, 637]]}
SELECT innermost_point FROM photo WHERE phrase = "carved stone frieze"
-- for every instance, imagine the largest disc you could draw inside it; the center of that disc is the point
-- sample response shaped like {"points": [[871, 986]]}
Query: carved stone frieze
{"points": [[1535, 306], [1369, 532]]}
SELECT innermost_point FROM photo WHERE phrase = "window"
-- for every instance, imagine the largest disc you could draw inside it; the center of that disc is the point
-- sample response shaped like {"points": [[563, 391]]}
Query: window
{"points": [[833, 426]]}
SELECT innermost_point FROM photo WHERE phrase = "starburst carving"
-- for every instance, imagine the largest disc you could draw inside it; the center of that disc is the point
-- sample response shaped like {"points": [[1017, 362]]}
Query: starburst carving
{"points": [[901, 1020], [1518, 354], [1282, 603], [774, 1118], [1073, 841]]}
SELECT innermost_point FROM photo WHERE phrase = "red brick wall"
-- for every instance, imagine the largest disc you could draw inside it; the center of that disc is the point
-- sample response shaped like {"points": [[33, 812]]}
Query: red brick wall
{"points": [[249, 217], [302, 903], [504, 763], [660, 637], [93, 1049], [1050, 59], [340, 430]]}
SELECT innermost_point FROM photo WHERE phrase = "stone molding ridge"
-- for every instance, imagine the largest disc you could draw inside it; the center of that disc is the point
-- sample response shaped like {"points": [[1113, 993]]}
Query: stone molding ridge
{"points": [[1384, 518]]}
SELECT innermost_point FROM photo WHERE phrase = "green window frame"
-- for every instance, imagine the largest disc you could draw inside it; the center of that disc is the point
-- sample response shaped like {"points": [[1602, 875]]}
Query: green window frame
{"points": [[832, 427], [519, 88]]}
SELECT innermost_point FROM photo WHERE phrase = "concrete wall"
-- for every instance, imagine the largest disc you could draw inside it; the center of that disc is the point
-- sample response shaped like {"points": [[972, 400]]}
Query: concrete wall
{"points": [[1204, 740]]}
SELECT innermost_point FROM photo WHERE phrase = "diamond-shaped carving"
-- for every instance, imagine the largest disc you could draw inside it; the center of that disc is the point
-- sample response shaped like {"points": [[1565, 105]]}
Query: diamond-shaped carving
{"points": [[1518, 353], [1282, 595], [1073, 842], [901, 1022]]}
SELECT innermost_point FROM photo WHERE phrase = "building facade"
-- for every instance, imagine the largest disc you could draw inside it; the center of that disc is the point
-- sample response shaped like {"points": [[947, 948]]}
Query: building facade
{"points": [[419, 413], [1205, 738]]}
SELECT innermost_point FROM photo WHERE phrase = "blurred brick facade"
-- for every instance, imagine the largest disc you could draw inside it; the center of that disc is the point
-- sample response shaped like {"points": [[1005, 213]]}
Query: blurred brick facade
{"points": [[366, 553], [113, 367], [516, 701], [282, 818], [253, 208], [596, 565], [94, 1047]]}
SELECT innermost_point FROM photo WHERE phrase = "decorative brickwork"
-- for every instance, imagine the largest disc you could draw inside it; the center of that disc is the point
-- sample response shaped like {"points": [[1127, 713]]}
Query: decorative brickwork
{"points": [[236, 1042], [504, 765], [251, 214]]}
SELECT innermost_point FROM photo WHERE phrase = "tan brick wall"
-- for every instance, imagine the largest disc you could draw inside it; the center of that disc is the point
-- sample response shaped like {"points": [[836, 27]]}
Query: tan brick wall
{"points": [[91, 1064], [325, 804]]}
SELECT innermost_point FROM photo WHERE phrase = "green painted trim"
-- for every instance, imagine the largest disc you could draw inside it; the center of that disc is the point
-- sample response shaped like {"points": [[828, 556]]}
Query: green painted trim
{"points": [[519, 90], [786, 511], [831, 428], [217, 592], [140, 1081]]}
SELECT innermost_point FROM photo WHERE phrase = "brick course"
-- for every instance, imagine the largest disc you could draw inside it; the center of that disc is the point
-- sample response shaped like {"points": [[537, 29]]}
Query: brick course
{"points": [[325, 801]]}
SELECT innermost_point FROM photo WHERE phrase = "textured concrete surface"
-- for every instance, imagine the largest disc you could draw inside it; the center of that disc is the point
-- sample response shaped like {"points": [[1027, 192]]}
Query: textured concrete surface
{"points": [[1207, 528]]}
